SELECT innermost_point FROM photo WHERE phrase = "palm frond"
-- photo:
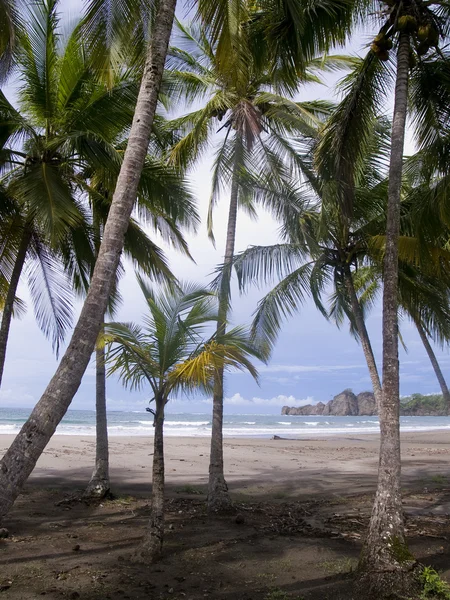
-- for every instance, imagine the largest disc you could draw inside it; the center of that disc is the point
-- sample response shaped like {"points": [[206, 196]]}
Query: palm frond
{"points": [[51, 294]]}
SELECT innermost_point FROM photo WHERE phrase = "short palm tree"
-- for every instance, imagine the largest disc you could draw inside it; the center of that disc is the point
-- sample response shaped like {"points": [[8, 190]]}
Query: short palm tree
{"points": [[165, 205], [170, 353], [255, 159]]}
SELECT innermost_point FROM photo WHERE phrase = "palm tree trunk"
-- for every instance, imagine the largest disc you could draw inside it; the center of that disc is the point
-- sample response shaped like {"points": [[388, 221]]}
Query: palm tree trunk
{"points": [[363, 335], [152, 545], [11, 296], [99, 485], [385, 557], [434, 362], [218, 495], [21, 457]]}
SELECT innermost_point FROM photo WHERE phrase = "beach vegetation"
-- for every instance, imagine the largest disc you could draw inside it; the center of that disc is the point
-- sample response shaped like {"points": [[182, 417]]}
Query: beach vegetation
{"points": [[432, 585], [192, 490], [427, 402], [339, 565], [171, 354]]}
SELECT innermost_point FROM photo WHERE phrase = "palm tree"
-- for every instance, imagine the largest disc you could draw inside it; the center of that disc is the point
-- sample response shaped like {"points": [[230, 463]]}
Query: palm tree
{"points": [[17, 463], [323, 250], [423, 296], [60, 131], [165, 205], [247, 105], [414, 30], [170, 354], [10, 26]]}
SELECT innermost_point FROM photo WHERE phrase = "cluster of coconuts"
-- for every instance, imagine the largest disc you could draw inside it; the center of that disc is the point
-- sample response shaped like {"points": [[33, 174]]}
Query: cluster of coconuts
{"points": [[427, 36], [381, 46]]}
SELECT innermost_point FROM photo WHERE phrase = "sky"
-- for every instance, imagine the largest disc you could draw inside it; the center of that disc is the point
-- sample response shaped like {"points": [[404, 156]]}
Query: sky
{"points": [[313, 360]]}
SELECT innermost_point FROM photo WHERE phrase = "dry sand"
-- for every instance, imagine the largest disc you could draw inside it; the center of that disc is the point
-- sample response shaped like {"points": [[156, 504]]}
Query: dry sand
{"points": [[254, 467]]}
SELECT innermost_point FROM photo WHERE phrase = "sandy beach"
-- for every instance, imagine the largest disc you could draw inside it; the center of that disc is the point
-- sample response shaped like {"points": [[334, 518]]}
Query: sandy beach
{"points": [[303, 508], [254, 467]]}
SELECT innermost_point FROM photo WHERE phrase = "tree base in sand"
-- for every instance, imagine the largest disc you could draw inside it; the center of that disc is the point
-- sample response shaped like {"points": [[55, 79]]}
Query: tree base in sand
{"points": [[395, 584]]}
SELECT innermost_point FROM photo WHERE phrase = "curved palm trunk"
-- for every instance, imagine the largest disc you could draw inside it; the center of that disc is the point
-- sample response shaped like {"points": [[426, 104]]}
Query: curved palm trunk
{"points": [[152, 545], [385, 556], [11, 295], [218, 495], [21, 457], [99, 485], [435, 364], [363, 335]]}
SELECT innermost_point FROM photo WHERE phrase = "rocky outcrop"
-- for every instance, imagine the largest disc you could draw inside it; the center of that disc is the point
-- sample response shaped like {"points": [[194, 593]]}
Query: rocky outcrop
{"points": [[309, 409], [342, 405], [366, 404], [347, 404]]}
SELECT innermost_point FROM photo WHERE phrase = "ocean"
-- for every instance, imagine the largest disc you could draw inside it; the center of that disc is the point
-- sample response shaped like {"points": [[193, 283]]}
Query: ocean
{"points": [[134, 423]]}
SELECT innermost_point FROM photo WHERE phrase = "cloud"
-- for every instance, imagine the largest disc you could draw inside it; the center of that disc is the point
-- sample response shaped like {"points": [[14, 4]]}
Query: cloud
{"points": [[307, 368], [280, 400], [12, 398]]}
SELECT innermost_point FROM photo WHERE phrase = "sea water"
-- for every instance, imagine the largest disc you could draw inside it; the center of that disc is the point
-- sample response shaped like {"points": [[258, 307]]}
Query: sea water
{"points": [[140, 423]]}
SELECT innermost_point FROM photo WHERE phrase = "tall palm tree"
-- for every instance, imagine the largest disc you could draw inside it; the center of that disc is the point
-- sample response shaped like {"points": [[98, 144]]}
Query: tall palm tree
{"points": [[254, 157], [321, 250], [65, 121], [412, 30], [21, 457], [171, 355]]}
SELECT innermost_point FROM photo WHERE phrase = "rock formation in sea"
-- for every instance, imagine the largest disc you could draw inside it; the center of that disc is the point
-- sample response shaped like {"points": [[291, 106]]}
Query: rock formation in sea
{"points": [[348, 404]]}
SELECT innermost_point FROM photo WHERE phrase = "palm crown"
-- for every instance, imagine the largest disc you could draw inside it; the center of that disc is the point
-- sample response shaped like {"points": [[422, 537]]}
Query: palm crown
{"points": [[170, 351]]}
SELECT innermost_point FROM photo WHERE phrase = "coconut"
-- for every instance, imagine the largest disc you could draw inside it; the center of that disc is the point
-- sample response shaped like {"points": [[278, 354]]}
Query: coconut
{"points": [[407, 24], [375, 48], [383, 42], [423, 32], [423, 48]]}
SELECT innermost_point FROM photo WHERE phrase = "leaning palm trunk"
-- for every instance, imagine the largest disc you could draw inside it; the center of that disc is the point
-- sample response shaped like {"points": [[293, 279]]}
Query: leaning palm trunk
{"points": [[152, 545], [218, 495], [99, 485], [363, 335], [11, 296], [21, 457], [435, 364], [385, 559]]}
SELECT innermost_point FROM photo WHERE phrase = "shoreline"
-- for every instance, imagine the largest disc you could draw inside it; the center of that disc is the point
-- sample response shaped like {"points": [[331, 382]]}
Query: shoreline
{"points": [[297, 436], [254, 467]]}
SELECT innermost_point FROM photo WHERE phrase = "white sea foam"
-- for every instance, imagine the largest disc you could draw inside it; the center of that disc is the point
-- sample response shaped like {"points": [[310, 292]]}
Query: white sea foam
{"points": [[7, 428], [82, 423], [187, 423]]}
